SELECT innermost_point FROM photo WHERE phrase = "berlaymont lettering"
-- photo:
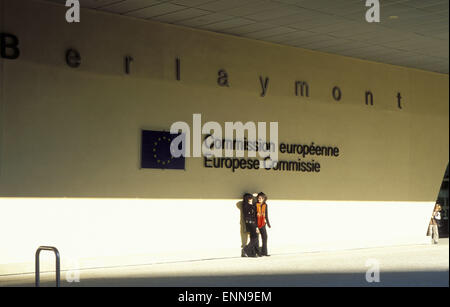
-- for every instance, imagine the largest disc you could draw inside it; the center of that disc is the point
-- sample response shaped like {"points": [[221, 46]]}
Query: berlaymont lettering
{"points": [[9, 47]]}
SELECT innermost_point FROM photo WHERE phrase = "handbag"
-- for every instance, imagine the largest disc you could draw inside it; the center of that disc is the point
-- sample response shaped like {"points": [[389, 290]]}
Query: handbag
{"points": [[437, 218]]}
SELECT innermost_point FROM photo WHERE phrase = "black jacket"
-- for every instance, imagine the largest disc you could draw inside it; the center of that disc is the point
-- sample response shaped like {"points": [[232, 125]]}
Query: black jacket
{"points": [[249, 213]]}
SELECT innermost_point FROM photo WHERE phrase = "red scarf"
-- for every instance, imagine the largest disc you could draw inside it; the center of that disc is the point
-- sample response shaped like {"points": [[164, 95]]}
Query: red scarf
{"points": [[261, 214]]}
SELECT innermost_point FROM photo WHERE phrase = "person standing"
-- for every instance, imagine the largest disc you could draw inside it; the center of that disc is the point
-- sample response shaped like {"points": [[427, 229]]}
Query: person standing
{"points": [[263, 220], [251, 249], [434, 222]]}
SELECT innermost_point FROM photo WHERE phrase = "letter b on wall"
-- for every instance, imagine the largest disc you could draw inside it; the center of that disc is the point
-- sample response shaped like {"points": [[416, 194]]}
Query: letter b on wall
{"points": [[9, 46]]}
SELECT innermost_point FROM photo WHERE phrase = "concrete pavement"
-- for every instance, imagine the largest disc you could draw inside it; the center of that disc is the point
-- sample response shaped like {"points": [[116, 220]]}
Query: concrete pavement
{"points": [[412, 265]]}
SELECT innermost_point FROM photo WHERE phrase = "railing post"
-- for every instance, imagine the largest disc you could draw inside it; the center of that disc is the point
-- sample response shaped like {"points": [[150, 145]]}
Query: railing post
{"points": [[57, 262]]}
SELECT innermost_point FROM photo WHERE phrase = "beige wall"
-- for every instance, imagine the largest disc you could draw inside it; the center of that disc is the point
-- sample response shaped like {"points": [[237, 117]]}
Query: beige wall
{"points": [[82, 125], [76, 132]]}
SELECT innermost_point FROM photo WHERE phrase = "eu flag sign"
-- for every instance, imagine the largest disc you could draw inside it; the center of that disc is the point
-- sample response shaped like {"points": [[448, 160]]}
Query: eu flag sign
{"points": [[155, 151]]}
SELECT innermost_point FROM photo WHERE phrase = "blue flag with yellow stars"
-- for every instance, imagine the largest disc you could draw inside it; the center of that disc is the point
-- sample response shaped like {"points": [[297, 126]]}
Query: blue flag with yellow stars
{"points": [[155, 151]]}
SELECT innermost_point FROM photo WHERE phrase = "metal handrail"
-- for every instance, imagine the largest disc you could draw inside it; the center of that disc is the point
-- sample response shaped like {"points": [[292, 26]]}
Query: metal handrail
{"points": [[58, 267]]}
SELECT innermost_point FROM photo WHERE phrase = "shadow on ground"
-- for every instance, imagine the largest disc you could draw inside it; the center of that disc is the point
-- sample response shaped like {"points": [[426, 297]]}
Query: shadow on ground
{"points": [[387, 279]]}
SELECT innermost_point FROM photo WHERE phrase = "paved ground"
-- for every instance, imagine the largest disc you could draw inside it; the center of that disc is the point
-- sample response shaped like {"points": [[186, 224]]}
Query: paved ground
{"points": [[412, 265]]}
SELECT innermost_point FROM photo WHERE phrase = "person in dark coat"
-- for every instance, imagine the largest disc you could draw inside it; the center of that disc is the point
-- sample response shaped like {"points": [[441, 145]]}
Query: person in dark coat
{"points": [[249, 211]]}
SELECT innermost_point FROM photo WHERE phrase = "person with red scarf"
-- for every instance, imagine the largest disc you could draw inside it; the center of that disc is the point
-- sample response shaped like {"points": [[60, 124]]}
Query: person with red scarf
{"points": [[262, 217]]}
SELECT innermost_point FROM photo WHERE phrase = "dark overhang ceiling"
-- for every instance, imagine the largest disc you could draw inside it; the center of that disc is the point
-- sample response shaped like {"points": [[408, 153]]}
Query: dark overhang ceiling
{"points": [[411, 33]]}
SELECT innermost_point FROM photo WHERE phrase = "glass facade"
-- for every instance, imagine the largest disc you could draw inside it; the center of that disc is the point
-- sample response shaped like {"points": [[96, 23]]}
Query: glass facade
{"points": [[443, 200]]}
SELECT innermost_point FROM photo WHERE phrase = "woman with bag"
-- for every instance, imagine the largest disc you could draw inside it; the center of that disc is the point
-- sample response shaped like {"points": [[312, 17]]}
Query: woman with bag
{"points": [[434, 223]]}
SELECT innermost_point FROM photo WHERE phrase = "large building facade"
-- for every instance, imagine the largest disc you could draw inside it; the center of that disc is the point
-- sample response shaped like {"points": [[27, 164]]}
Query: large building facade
{"points": [[70, 142]]}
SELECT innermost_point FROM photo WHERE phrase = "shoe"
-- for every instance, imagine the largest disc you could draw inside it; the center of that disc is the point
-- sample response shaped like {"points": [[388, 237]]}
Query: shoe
{"points": [[243, 253]]}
